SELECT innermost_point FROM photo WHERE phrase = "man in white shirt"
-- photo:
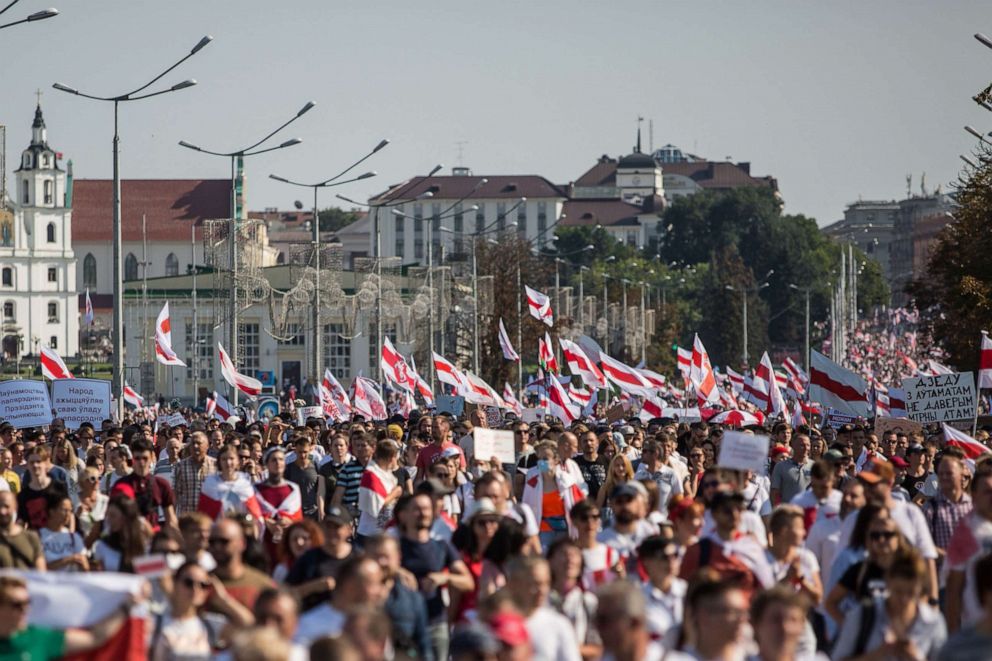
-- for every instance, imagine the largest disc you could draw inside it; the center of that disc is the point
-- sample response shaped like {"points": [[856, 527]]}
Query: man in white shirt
{"points": [[630, 525], [821, 499], [824, 536], [551, 634], [359, 583], [664, 591]]}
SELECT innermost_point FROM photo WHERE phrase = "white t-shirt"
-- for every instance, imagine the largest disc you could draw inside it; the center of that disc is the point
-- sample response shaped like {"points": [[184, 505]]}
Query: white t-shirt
{"points": [[61, 544], [823, 538], [552, 636], [751, 523], [665, 609], [626, 543], [187, 638], [912, 523], [809, 567], [808, 501], [4, 485]]}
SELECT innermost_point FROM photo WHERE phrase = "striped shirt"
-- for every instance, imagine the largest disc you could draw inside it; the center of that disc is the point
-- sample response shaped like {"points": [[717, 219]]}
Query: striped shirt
{"points": [[943, 515], [349, 478]]}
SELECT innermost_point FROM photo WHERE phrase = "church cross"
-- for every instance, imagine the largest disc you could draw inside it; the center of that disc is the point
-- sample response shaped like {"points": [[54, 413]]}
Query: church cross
{"points": [[38, 94]]}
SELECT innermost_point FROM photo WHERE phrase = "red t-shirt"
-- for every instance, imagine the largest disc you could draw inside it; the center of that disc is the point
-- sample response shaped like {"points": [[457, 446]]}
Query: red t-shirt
{"points": [[426, 457]]}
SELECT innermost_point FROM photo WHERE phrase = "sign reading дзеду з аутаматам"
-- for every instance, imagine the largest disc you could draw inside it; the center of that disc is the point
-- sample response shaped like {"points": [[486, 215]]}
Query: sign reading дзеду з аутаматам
{"points": [[940, 398]]}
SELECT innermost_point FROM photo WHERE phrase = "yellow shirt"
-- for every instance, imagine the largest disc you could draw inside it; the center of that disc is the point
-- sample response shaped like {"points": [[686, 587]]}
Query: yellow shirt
{"points": [[13, 481]]}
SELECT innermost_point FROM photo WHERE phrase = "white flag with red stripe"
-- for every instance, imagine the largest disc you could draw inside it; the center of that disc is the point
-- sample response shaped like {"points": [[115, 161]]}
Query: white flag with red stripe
{"points": [[290, 507], [132, 397], [580, 396], [222, 409], [447, 373], [480, 392], [794, 370], [625, 377], [511, 401], [684, 359], [327, 405], [367, 401], [373, 490], [338, 394], [650, 409], [655, 379], [835, 387], [504, 344], [701, 375], [219, 497], [736, 381], [985, 363], [394, 367], [539, 306], [897, 403], [580, 364], [971, 448], [423, 387], [211, 404], [246, 384], [52, 365], [560, 405], [163, 339]]}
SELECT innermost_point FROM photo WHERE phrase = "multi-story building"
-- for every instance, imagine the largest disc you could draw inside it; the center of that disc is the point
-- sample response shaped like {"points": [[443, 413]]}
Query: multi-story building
{"points": [[38, 299], [914, 212], [870, 225]]}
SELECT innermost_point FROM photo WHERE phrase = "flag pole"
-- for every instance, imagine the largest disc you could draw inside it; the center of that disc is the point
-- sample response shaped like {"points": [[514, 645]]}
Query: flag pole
{"points": [[978, 386]]}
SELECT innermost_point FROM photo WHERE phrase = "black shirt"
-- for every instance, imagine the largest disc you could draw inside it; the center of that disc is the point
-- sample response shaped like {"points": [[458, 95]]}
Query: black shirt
{"points": [[864, 579], [423, 558], [315, 563], [32, 506], [311, 485], [593, 472]]}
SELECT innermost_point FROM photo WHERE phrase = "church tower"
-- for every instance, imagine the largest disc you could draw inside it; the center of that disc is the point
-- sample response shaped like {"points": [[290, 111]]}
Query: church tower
{"points": [[38, 297]]}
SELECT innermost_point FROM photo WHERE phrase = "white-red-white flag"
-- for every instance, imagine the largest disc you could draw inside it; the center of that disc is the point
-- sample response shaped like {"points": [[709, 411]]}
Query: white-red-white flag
{"points": [[423, 387], [246, 384], [338, 394], [394, 367], [625, 377], [504, 344], [835, 387], [546, 354], [897, 403], [580, 364], [132, 397], [656, 380], [560, 405], [985, 363], [684, 358], [367, 401], [222, 409], [701, 375], [738, 418], [211, 404], [52, 365], [447, 373], [512, 401], [651, 408], [481, 393], [539, 306], [971, 448], [794, 370], [736, 381], [580, 396], [163, 339]]}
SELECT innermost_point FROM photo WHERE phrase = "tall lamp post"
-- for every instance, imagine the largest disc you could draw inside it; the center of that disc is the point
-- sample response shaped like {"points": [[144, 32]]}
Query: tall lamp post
{"points": [[232, 252], [133, 95], [744, 292], [806, 291], [316, 339], [37, 16]]}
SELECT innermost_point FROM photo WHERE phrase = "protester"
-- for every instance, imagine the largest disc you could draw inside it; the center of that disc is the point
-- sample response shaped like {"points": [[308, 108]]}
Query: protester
{"points": [[551, 634], [64, 549], [20, 548], [189, 473]]}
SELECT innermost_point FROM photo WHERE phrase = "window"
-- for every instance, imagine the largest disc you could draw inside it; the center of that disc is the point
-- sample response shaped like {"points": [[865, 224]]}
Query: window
{"points": [[295, 334], [480, 218], [46, 160], [53, 342], [459, 228], [27, 161], [89, 271], [26, 193], [542, 219], [171, 265], [400, 234], [53, 312], [202, 358], [9, 311], [49, 195], [53, 274], [522, 220], [418, 231], [248, 345], [50, 233], [501, 216], [436, 229], [337, 351], [130, 267], [8, 276]]}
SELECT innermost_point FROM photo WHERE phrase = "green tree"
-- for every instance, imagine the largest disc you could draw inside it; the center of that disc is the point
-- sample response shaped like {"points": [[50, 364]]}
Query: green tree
{"points": [[333, 219]]}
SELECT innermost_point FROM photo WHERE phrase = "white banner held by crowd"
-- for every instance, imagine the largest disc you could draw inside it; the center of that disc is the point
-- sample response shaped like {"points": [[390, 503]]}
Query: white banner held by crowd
{"points": [[304, 413], [491, 443], [746, 452], [81, 400], [25, 403], [940, 397]]}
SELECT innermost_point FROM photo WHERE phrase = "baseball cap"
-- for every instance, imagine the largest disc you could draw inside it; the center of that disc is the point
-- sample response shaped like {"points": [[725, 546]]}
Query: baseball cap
{"points": [[833, 455], [630, 489], [778, 450], [338, 515], [510, 628], [899, 462], [627, 430], [878, 471]]}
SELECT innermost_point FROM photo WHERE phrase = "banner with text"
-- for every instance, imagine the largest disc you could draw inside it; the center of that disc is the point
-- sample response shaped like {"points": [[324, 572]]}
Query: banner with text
{"points": [[940, 398], [25, 403], [81, 400]]}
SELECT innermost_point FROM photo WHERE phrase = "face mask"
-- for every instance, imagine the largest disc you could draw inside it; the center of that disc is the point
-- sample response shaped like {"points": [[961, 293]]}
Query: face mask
{"points": [[543, 465], [477, 471]]}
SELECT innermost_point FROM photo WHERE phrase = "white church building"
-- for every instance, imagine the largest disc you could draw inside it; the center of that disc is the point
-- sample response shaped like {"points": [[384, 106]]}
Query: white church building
{"points": [[38, 298]]}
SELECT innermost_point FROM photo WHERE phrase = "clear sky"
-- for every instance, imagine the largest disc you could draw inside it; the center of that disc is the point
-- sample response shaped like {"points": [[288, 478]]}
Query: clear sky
{"points": [[838, 100]]}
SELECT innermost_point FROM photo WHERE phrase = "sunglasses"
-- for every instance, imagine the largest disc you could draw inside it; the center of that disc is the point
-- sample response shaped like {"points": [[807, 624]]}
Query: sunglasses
{"points": [[879, 535], [589, 517], [20, 606], [192, 583]]}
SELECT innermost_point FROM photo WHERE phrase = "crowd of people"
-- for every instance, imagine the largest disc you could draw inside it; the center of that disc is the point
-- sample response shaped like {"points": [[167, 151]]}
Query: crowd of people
{"points": [[890, 345], [614, 540]]}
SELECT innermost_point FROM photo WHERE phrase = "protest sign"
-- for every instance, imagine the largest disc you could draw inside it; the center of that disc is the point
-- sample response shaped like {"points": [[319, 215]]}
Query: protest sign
{"points": [[835, 419], [81, 400], [489, 443], [531, 415], [690, 414], [898, 425], [25, 403], [452, 404], [941, 397], [615, 413], [306, 412], [746, 452], [494, 417]]}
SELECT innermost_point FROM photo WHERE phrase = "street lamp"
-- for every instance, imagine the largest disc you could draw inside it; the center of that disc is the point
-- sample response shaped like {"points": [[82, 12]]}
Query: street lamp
{"points": [[232, 252], [133, 95], [983, 39], [31, 18], [806, 291], [744, 292], [316, 339], [975, 133]]}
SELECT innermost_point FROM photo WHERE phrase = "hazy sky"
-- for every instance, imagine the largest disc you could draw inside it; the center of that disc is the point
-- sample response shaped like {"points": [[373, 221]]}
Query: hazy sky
{"points": [[838, 100]]}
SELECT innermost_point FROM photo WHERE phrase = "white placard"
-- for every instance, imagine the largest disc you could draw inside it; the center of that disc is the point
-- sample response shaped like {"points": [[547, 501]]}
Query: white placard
{"points": [[690, 414], [746, 452], [940, 398], [306, 412], [531, 415], [25, 403], [81, 400], [489, 443]]}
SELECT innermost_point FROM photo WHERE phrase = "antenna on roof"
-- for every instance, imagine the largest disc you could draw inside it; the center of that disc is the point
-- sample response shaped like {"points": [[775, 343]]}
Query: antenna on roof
{"points": [[460, 145], [637, 149], [651, 135]]}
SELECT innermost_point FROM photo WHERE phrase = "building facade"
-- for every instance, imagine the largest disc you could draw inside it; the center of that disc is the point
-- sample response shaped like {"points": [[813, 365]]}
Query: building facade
{"points": [[38, 296], [870, 225]]}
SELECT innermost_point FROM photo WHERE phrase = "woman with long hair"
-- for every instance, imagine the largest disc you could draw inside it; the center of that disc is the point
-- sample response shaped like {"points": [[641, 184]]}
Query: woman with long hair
{"points": [[618, 472], [472, 539], [299, 538], [64, 550], [550, 494], [64, 456], [229, 491], [92, 507], [697, 465], [126, 536]]}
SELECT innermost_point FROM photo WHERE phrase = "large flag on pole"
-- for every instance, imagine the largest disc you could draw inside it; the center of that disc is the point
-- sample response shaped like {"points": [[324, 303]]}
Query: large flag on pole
{"points": [[985, 363], [971, 448], [835, 387], [684, 358], [546, 354], [511, 401], [132, 397], [219, 407], [246, 384], [447, 373], [701, 374], [560, 405], [394, 367], [480, 392], [338, 394], [88, 314], [423, 387], [367, 400], [163, 339], [580, 364], [52, 365], [540, 306], [625, 377], [504, 344]]}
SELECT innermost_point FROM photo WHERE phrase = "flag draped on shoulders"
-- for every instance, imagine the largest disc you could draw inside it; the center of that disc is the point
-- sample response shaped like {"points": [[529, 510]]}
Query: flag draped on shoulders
{"points": [[219, 497], [280, 500]]}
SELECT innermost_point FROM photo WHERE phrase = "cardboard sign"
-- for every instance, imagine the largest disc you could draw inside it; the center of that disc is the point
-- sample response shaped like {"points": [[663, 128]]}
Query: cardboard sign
{"points": [[615, 413], [25, 403], [489, 443], [898, 425], [746, 452], [81, 400], [940, 398], [452, 404], [530, 415], [836, 419], [305, 412], [691, 414]]}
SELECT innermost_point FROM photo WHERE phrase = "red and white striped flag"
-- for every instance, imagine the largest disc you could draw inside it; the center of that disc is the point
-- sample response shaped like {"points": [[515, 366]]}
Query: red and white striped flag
{"points": [[132, 397], [797, 415], [971, 448], [423, 387], [367, 401], [221, 408], [338, 394], [684, 358], [215, 496], [985, 363], [656, 380], [580, 364], [163, 339], [897, 403], [650, 409], [701, 375], [937, 368], [504, 344], [625, 377], [794, 370], [327, 405], [290, 506], [539, 306], [835, 387], [480, 392], [580, 396], [511, 401], [560, 404], [373, 489], [211, 404], [52, 365], [736, 381], [882, 407], [546, 354], [447, 373], [246, 384], [394, 367]]}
